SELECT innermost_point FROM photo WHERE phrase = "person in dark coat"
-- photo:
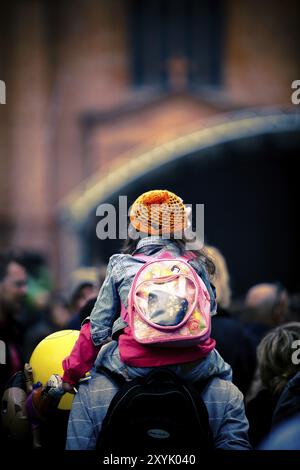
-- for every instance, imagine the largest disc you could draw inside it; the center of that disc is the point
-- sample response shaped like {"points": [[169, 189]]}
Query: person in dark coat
{"points": [[13, 288], [289, 401], [232, 342], [83, 313], [285, 436], [82, 294], [266, 306], [278, 391], [54, 318]]}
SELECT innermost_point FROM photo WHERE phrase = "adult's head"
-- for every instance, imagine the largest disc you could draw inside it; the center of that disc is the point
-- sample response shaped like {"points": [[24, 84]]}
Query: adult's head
{"points": [[274, 355], [85, 282], [59, 311], [13, 281], [266, 304], [82, 293]]}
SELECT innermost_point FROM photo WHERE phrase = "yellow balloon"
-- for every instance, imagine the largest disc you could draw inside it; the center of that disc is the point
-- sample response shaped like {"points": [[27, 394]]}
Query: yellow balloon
{"points": [[47, 359]]}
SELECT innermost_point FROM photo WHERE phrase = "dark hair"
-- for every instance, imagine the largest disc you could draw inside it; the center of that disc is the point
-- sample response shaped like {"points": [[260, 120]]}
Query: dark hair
{"points": [[87, 309], [9, 257], [130, 245], [76, 295], [274, 354]]}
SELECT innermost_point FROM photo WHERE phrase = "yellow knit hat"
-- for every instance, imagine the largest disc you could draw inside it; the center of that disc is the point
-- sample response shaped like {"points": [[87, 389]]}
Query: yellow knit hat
{"points": [[158, 212]]}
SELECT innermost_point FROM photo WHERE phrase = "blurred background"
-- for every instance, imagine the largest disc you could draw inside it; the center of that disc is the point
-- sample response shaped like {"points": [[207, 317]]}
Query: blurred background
{"points": [[109, 98]]}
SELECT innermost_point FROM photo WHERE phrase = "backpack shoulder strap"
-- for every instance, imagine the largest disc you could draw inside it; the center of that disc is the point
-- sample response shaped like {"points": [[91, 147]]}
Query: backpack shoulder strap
{"points": [[189, 256], [166, 255], [200, 385], [118, 379], [143, 257], [163, 255]]}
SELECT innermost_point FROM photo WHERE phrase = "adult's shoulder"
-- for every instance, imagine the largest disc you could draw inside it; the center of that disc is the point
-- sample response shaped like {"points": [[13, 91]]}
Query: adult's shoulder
{"points": [[222, 390]]}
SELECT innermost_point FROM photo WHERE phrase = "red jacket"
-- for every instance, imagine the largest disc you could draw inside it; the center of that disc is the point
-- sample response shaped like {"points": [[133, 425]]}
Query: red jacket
{"points": [[84, 354]]}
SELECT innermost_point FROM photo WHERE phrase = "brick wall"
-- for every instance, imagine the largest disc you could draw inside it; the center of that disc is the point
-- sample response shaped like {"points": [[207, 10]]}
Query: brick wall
{"points": [[262, 51], [64, 60]]}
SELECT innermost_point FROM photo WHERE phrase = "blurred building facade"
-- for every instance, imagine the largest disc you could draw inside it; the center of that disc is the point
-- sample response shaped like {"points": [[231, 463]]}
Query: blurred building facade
{"points": [[91, 83]]}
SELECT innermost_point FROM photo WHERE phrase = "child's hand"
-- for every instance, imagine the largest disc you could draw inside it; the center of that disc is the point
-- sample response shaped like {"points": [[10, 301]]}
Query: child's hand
{"points": [[68, 388]]}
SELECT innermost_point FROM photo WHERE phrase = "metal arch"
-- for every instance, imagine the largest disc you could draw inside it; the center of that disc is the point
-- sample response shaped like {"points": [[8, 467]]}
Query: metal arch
{"points": [[77, 206]]}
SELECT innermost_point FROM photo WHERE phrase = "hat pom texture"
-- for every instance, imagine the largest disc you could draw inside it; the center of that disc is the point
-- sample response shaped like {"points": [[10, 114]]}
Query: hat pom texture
{"points": [[158, 212]]}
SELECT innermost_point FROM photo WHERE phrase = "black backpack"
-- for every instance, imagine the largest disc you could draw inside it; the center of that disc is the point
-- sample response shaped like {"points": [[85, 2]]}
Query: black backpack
{"points": [[156, 413]]}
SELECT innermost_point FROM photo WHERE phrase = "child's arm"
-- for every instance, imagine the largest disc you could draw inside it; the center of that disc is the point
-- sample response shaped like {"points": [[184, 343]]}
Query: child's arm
{"points": [[82, 357], [96, 332], [107, 307]]}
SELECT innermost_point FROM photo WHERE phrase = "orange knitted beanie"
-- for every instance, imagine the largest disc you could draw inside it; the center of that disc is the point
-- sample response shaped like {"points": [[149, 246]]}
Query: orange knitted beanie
{"points": [[158, 212]]}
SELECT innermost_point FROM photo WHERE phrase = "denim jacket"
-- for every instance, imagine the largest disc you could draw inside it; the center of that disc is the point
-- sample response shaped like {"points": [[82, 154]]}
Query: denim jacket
{"points": [[121, 270]]}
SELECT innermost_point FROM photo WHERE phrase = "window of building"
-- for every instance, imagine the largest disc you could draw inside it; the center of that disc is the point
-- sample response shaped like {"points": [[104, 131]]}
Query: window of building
{"points": [[176, 44]]}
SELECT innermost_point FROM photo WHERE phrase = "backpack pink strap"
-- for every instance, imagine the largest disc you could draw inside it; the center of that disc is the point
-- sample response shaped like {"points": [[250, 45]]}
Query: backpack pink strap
{"points": [[166, 255], [163, 255], [124, 313], [188, 256]]}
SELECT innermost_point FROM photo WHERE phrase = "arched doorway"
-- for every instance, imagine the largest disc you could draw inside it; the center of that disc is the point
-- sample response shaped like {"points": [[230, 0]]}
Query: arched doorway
{"points": [[244, 170]]}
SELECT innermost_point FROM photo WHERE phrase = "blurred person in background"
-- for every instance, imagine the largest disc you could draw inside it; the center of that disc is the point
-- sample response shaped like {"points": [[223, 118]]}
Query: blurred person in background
{"points": [[294, 307], [83, 292], [232, 342], [86, 310], [278, 397], [54, 318], [91, 279], [39, 285], [13, 287], [266, 306], [285, 436]]}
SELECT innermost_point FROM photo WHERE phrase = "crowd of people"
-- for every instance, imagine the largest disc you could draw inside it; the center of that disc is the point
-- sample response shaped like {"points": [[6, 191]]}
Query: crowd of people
{"points": [[255, 341]]}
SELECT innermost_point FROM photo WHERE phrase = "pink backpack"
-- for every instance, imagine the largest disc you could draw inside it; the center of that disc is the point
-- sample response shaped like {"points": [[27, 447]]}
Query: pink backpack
{"points": [[168, 303]]}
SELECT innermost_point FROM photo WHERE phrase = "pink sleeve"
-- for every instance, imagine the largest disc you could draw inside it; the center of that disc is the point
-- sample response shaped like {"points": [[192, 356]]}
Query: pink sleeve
{"points": [[82, 357]]}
